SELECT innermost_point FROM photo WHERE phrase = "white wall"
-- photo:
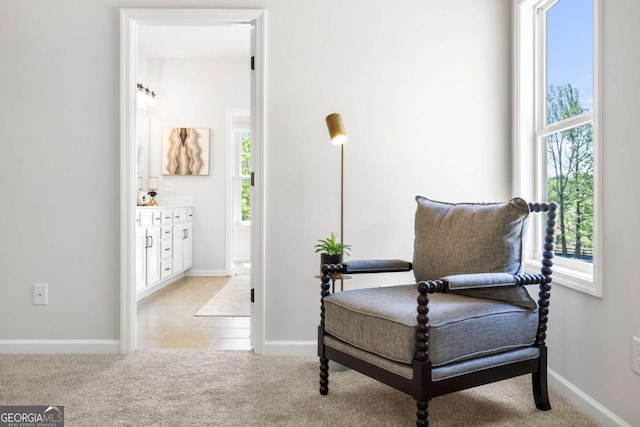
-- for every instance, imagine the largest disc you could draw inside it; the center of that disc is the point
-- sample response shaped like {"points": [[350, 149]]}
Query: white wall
{"points": [[590, 338], [422, 86], [197, 93], [241, 245]]}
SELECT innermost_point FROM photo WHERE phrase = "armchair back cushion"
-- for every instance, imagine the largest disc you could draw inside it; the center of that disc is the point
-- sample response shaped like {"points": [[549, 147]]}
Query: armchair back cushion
{"points": [[469, 238], [472, 238]]}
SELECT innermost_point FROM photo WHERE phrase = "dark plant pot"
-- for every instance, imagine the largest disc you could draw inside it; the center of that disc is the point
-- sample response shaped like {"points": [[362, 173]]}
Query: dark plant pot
{"points": [[330, 259]]}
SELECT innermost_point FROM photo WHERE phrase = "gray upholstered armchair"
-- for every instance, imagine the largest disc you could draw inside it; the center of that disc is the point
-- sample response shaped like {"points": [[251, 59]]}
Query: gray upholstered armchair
{"points": [[469, 320]]}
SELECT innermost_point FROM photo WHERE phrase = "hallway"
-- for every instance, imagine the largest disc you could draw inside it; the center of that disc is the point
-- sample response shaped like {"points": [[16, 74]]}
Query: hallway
{"points": [[166, 319]]}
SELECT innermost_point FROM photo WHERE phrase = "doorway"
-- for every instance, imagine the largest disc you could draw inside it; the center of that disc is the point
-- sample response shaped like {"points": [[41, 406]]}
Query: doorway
{"points": [[135, 22]]}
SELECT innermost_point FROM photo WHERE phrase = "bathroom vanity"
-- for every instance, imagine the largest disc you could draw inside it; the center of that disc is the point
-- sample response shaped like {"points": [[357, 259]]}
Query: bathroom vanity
{"points": [[163, 246]]}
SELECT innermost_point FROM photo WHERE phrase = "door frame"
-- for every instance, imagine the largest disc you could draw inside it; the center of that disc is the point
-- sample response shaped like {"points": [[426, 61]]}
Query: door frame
{"points": [[130, 20]]}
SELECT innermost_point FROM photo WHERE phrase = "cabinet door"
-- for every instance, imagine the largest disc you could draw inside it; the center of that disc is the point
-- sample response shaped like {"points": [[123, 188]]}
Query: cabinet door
{"points": [[187, 248], [141, 259], [178, 244], [153, 255]]}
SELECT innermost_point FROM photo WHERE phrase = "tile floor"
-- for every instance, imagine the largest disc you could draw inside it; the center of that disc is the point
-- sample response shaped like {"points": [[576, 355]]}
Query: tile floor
{"points": [[166, 319]]}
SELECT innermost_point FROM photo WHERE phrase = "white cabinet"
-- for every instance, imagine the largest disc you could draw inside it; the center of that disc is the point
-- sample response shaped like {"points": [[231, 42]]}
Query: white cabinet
{"points": [[153, 255], [187, 250], [141, 258], [178, 246], [166, 251], [147, 251], [163, 247], [182, 246]]}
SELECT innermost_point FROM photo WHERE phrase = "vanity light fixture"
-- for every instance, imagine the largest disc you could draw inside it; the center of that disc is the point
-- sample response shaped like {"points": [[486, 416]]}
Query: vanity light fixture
{"points": [[146, 95]]}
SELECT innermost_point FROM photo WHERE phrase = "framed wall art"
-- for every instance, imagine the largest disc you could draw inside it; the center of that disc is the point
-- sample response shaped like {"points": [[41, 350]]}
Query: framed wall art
{"points": [[185, 151]]}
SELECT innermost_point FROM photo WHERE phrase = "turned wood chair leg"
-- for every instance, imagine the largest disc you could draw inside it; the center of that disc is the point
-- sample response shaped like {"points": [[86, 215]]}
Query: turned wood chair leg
{"points": [[539, 382], [540, 391], [324, 376], [422, 414]]}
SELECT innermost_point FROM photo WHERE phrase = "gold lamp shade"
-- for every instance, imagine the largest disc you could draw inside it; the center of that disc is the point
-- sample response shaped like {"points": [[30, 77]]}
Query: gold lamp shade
{"points": [[336, 129]]}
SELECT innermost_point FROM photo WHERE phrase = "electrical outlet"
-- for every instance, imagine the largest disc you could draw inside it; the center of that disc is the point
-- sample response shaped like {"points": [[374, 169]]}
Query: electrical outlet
{"points": [[168, 186], [636, 354], [40, 293]]}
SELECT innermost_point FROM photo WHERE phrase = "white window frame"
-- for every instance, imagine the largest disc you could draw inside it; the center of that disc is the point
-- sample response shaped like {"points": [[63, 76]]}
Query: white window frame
{"points": [[528, 151]]}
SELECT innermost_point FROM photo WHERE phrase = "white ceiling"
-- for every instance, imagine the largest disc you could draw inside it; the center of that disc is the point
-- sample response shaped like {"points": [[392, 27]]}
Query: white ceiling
{"points": [[194, 42]]}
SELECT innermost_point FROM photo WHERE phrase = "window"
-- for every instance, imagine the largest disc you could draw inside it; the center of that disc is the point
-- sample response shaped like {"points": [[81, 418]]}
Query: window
{"points": [[556, 122], [242, 176]]}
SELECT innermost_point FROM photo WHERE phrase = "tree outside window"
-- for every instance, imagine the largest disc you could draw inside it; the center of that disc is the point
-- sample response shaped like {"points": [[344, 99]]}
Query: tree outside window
{"points": [[570, 175], [245, 175]]}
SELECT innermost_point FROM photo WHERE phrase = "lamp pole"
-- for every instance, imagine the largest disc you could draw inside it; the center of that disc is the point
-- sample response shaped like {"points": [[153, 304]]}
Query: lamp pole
{"points": [[342, 194], [339, 137]]}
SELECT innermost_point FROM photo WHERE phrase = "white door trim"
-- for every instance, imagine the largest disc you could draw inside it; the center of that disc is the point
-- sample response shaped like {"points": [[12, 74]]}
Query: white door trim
{"points": [[130, 20]]}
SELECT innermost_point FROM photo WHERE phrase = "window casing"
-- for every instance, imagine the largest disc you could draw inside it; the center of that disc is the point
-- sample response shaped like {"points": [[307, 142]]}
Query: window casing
{"points": [[557, 142]]}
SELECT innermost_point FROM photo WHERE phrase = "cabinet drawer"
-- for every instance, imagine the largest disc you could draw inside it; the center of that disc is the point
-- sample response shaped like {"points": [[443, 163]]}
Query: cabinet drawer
{"points": [[167, 217], [157, 216], [166, 249], [189, 215], [166, 269], [179, 215], [166, 232], [146, 219]]}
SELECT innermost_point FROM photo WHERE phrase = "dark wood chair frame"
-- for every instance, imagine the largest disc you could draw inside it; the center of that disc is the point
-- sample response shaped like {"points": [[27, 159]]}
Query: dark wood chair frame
{"points": [[421, 387]]}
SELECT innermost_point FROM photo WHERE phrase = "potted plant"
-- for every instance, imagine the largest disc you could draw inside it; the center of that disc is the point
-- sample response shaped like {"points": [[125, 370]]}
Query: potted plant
{"points": [[331, 250]]}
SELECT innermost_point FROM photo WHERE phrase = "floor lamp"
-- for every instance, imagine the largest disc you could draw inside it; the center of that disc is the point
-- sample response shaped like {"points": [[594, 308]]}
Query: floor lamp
{"points": [[339, 137]]}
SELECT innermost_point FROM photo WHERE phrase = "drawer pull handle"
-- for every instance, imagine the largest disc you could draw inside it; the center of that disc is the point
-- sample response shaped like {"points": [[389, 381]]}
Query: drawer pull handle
{"points": [[150, 241], [167, 249], [167, 269]]}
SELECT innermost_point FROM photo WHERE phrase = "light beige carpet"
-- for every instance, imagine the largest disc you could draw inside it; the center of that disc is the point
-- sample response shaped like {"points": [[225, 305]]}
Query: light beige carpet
{"points": [[227, 388], [233, 300]]}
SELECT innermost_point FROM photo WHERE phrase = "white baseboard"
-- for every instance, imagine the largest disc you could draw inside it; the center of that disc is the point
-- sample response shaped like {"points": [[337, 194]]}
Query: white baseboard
{"points": [[212, 273], [585, 403], [59, 346], [290, 348], [155, 288]]}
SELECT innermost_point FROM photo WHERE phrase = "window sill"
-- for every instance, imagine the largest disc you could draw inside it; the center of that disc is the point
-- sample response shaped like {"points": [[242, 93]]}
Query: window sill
{"points": [[242, 226], [583, 282]]}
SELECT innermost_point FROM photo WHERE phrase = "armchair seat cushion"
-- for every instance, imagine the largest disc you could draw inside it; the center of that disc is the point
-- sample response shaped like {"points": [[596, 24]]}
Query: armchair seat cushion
{"points": [[383, 321]]}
